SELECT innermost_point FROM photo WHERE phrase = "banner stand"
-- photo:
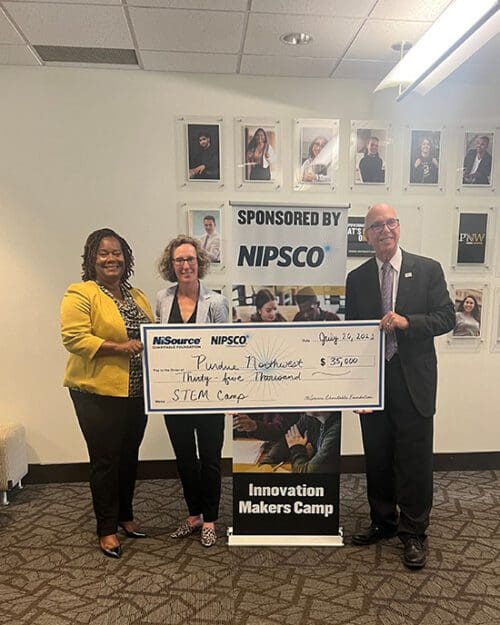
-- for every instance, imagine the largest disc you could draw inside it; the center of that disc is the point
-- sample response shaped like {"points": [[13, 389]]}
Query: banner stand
{"points": [[245, 540]]}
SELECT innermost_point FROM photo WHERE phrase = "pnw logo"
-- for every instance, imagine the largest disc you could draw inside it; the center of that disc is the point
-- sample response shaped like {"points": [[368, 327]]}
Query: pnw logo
{"points": [[472, 238]]}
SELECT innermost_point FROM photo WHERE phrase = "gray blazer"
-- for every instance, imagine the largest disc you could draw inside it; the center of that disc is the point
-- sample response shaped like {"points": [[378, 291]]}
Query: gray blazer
{"points": [[212, 306]]}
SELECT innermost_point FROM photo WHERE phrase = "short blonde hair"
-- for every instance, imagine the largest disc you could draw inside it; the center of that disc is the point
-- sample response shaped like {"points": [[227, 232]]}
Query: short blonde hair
{"points": [[166, 264]]}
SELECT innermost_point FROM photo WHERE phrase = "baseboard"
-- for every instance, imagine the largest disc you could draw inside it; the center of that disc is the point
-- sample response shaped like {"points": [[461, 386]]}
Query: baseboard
{"points": [[165, 469]]}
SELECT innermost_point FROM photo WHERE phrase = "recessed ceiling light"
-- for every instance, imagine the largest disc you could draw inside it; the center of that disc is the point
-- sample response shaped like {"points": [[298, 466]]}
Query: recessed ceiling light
{"points": [[296, 39], [401, 46]]}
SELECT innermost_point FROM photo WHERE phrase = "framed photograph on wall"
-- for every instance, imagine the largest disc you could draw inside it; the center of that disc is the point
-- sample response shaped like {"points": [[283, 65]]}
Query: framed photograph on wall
{"points": [[495, 343], [472, 244], [470, 302], [316, 149], [370, 153], [424, 157], [258, 144], [357, 245], [476, 170], [199, 143]]}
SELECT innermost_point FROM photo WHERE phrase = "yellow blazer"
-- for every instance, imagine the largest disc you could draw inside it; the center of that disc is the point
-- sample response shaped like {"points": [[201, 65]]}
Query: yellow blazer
{"points": [[88, 318]]}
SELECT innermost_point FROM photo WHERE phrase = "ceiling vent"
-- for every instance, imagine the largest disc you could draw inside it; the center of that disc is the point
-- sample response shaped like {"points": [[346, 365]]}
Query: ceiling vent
{"points": [[99, 56]]}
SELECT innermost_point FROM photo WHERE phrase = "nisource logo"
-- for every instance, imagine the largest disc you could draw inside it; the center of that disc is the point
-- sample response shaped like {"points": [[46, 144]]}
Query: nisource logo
{"points": [[172, 340], [229, 340]]}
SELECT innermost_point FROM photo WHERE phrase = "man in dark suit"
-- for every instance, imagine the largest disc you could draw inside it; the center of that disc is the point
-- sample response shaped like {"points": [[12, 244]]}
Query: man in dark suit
{"points": [[408, 294], [477, 163]]}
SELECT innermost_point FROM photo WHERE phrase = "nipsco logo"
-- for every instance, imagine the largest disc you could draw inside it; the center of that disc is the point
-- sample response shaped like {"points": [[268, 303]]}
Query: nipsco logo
{"points": [[172, 340], [265, 255], [229, 340]]}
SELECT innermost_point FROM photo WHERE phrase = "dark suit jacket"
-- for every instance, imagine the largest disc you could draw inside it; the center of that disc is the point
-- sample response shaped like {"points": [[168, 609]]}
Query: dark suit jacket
{"points": [[483, 172], [423, 299]]}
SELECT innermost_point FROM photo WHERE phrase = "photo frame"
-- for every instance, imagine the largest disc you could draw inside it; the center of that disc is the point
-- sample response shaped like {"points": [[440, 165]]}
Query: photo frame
{"points": [[370, 155], [258, 154], [473, 234], [316, 154], [470, 301], [357, 245], [205, 223], [424, 152], [475, 168], [495, 328], [199, 161]]}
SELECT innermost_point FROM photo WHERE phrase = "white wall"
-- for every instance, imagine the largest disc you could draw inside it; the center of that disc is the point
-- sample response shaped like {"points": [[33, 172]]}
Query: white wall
{"points": [[83, 149]]}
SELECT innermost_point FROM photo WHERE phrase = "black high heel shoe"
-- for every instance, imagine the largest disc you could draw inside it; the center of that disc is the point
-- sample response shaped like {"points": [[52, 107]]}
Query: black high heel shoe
{"points": [[113, 552], [133, 533]]}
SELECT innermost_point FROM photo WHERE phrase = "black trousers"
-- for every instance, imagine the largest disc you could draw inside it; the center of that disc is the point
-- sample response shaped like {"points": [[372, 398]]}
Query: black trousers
{"points": [[200, 476], [398, 451], [113, 428]]}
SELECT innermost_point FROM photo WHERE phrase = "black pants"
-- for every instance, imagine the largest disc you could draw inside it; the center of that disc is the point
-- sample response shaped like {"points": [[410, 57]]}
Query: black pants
{"points": [[398, 451], [113, 428], [200, 477]]}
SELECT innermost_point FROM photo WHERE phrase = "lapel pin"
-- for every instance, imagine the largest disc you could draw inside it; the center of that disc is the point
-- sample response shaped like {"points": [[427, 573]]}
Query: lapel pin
{"points": [[408, 274]]}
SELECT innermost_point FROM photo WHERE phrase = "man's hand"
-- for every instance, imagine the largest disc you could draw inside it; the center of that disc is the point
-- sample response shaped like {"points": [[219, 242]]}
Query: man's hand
{"points": [[243, 423], [196, 171], [392, 321], [294, 437]]}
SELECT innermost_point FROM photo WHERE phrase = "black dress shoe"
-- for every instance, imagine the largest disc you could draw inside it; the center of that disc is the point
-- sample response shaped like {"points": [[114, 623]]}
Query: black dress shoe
{"points": [[112, 552], [133, 533], [414, 554], [373, 535]]}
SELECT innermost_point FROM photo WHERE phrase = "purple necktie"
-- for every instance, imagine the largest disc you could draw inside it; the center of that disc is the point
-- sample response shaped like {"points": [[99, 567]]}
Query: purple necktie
{"points": [[386, 293]]}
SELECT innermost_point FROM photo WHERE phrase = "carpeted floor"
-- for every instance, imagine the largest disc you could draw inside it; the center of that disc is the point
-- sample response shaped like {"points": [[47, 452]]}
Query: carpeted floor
{"points": [[51, 572]]}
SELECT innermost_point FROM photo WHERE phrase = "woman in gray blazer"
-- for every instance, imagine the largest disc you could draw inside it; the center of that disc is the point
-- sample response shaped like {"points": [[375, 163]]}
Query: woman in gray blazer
{"points": [[185, 263]]}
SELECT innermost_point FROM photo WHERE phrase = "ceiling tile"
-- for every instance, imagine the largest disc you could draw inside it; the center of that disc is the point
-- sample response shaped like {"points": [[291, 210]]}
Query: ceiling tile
{"points": [[8, 33], [330, 35], [363, 70], [334, 8], [72, 25], [184, 31], [286, 66], [189, 62], [17, 55], [209, 5], [418, 10], [376, 37]]}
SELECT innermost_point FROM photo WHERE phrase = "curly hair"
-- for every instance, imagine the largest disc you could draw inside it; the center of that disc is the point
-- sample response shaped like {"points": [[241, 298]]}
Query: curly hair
{"points": [[166, 264], [89, 255], [475, 311]]}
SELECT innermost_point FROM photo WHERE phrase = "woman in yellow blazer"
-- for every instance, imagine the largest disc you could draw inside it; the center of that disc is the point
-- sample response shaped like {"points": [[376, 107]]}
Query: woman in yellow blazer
{"points": [[100, 321]]}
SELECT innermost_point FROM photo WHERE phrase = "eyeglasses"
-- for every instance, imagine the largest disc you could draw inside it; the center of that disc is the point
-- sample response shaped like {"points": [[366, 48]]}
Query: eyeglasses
{"points": [[378, 226], [190, 260]]}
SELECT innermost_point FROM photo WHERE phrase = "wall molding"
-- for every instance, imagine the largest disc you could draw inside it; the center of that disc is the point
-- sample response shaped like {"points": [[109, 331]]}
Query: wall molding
{"points": [[166, 469]]}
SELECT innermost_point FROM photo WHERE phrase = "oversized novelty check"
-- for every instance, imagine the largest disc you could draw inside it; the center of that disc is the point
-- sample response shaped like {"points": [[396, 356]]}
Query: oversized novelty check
{"points": [[263, 367]]}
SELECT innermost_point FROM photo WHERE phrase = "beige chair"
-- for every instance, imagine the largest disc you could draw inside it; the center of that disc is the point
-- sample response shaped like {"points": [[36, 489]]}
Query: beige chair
{"points": [[13, 458]]}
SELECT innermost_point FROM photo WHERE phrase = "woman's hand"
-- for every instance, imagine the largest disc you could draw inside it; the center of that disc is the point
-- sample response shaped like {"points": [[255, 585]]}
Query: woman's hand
{"points": [[130, 348], [243, 423]]}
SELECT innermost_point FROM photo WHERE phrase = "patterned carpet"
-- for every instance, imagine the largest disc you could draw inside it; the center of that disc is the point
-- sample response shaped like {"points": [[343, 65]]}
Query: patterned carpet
{"points": [[51, 572]]}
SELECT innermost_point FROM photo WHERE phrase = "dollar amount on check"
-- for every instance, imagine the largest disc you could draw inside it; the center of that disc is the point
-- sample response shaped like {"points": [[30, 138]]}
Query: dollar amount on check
{"points": [[259, 367]]}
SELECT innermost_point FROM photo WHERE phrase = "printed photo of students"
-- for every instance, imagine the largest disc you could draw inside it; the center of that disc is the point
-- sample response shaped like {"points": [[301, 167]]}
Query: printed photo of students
{"points": [[370, 151], [312, 445]]}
